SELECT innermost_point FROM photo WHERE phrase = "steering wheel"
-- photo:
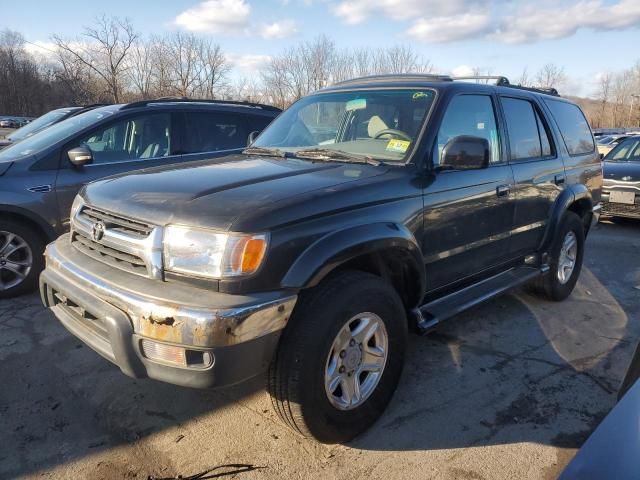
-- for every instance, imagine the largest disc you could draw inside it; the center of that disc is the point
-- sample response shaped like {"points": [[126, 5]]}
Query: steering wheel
{"points": [[393, 131]]}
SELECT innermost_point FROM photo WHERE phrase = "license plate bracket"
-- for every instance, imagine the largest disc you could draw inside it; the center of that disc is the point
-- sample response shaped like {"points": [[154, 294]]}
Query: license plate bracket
{"points": [[628, 198]]}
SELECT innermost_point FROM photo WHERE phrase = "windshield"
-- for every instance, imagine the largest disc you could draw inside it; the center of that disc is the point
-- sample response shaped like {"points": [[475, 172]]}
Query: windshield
{"points": [[377, 124], [44, 138], [627, 151], [38, 124]]}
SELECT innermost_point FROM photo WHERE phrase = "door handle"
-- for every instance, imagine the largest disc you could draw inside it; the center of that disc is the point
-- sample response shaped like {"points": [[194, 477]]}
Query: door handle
{"points": [[503, 190], [558, 179]]}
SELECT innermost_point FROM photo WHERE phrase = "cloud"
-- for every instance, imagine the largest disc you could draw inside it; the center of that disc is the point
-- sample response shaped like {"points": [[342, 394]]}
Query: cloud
{"points": [[216, 16], [248, 63], [532, 23], [276, 30], [41, 48], [463, 71], [505, 21], [450, 28], [357, 11]]}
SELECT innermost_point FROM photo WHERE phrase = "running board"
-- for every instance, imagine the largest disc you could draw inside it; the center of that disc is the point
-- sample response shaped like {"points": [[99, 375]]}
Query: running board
{"points": [[433, 313]]}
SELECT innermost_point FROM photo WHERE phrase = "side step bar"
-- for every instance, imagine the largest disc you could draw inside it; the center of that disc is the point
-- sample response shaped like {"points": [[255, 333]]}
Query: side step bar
{"points": [[433, 313]]}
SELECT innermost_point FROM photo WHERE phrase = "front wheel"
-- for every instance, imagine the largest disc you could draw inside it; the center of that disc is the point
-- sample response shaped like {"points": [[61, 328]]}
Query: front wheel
{"points": [[566, 253], [21, 259], [340, 358]]}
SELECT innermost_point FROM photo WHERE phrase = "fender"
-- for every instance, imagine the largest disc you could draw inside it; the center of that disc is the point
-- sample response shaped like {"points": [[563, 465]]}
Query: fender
{"points": [[338, 247], [568, 196], [48, 230]]}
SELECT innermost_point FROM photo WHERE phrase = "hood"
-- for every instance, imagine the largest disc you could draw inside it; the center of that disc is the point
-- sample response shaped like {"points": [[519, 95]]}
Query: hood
{"points": [[618, 170], [214, 195]]}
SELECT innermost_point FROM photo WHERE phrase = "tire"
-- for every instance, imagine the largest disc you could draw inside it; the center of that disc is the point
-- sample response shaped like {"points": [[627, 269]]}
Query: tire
{"points": [[21, 259], [550, 285], [296, 380]]}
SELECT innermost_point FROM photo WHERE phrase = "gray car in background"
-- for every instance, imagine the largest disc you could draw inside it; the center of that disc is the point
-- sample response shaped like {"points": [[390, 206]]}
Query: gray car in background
{"points": [[41, 174], [42, 122]]}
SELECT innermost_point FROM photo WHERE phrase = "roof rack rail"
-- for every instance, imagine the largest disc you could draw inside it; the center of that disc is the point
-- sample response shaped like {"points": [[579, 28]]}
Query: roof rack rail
{"points": [[142, 103], [84, 108], [502, 81], [425, 77]]}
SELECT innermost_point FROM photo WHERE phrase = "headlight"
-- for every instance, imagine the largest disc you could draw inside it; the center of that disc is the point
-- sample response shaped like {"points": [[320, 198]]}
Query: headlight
{"points": [[77, 203], [205, 253]]}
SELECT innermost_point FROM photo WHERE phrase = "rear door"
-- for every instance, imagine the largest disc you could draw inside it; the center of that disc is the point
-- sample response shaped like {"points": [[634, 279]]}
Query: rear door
{"points": [[125, 144], [468, 213], [212, 134], [537, 168]]}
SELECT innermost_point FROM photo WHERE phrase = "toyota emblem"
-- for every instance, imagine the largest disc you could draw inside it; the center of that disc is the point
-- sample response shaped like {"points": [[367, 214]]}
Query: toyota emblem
{"points": [[97, 231]]}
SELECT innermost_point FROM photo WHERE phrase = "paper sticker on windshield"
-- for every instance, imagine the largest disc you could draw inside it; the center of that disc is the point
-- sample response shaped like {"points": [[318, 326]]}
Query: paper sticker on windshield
{"points": [[399, 146], [357, 104], [419, 95]]}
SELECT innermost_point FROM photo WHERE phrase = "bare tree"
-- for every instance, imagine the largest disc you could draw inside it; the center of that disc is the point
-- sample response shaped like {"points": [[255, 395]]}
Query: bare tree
{"points": [[524, 80], [216, 69], [550, 76], [104, 51], [604, 93], [140, 68]]}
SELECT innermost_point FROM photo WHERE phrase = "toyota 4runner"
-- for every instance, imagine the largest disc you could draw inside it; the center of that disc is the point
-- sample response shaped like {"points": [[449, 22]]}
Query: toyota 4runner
{"points": [[369, 209]]}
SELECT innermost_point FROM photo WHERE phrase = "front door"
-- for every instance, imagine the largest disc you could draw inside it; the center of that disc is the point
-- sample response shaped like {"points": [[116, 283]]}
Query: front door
{"points": [[468, 213]]}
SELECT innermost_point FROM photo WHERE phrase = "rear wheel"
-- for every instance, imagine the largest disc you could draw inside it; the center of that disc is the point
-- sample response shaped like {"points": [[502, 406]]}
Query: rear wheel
{"points": [[566, 255], [340, 358], [21, 258]]}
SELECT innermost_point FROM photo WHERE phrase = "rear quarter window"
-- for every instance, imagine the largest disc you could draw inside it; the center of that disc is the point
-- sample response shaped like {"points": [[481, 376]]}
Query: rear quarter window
{"points": [[573, 127]]}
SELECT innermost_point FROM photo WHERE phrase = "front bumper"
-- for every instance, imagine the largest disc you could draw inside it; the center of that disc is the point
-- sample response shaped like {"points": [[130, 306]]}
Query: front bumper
{"points": [[114, 311], [621, 209]]}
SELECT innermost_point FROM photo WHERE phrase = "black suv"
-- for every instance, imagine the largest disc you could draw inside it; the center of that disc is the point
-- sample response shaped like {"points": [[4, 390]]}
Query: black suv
{"points": [[41, 174], [371, 208]]}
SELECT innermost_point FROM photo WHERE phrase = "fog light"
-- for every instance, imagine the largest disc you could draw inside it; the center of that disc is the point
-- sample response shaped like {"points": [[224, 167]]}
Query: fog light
{"points": [[161, 352]]}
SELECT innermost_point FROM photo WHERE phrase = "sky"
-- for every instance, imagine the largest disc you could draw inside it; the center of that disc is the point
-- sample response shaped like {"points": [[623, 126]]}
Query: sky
{"points": [[586, 37]]}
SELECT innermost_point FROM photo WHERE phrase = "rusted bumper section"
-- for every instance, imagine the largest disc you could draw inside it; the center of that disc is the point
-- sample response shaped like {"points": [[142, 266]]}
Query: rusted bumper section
{"points": [[135, 322]]}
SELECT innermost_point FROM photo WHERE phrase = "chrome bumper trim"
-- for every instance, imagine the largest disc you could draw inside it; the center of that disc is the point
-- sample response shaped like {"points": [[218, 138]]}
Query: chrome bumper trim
{"points": [[167, 312]]}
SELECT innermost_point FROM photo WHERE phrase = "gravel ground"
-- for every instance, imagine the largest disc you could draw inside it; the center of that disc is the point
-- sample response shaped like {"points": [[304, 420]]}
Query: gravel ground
{"points": [[506, 390]]}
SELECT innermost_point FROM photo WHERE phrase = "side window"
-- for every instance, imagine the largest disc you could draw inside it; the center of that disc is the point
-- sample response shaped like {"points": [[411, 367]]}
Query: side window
{"points": [[133, 138], [573, 127], [257, 123], [544, 137], [528, 138], [469, 115], [214, 131], [628, 150]]}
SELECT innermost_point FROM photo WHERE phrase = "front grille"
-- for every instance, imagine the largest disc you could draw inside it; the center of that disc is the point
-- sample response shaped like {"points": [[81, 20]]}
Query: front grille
{"points": [[123, 243], [116, 222], [111, 256]]}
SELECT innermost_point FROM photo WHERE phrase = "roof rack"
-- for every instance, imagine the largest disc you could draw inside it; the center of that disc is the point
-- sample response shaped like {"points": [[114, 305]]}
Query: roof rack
{"points": [[423, 77], [143, 103], [502, 81]]}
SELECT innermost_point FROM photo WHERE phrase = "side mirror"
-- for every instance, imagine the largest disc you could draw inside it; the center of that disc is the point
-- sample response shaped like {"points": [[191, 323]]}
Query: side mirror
{"points": [[601, 156], [465, 152], [252, 137], [80, 156]]}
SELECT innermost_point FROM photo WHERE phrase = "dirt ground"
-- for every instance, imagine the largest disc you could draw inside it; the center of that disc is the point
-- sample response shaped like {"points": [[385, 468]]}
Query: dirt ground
{"points": [[508, 390]]}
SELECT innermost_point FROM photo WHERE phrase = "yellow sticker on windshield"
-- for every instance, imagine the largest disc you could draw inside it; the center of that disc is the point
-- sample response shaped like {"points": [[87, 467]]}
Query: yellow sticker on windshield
{"points": [[399, 146]]}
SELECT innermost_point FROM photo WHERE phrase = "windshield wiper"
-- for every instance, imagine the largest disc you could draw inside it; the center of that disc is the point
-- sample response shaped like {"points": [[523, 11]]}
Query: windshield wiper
{"points": [[330, 154], [270, 152]]}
